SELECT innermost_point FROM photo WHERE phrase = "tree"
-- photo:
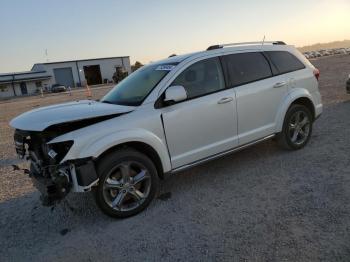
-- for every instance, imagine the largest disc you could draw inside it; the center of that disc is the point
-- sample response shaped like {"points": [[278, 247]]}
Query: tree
{"points": [[119, 74], [136, 66]]}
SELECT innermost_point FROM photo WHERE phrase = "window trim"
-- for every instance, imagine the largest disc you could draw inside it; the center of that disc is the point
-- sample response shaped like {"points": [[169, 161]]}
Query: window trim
{"points": [[271, 65], [159, 103]]}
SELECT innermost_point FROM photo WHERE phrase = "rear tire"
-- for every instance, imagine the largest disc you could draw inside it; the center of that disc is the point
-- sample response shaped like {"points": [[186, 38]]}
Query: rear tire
{"points": [[297, 128], [128, 181]]}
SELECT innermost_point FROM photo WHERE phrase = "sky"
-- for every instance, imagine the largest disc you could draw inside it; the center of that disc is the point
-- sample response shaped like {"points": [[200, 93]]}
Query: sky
{"points": [[150, 30]]}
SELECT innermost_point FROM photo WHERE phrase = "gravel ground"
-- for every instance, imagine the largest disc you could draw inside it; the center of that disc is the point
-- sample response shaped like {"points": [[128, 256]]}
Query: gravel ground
{"points": [[261, 204], [334, 73]]}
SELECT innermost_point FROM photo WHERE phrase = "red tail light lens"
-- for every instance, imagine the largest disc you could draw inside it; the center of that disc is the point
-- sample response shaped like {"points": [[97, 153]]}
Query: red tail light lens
{"points": [[317, 73]]}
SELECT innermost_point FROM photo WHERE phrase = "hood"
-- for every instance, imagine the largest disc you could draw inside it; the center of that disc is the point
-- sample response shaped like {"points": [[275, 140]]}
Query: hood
{"points": [[41, 118]]}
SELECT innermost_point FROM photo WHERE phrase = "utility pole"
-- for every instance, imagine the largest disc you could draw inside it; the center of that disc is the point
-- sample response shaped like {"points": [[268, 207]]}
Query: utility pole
{"points": [[47, 56], [13, 85]]}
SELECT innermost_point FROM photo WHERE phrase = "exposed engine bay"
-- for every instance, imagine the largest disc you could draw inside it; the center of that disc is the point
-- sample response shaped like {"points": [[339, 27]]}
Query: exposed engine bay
{"points": [[51, 177]]}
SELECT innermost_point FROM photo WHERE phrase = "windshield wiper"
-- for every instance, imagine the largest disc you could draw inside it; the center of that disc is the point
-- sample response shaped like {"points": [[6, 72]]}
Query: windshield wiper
{"points": [[130, 103], [107, 102]]}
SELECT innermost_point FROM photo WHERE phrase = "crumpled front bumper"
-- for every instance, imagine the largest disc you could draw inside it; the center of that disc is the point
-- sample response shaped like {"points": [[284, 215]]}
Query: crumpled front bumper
{"points": [[77, 176], [51, 190]]}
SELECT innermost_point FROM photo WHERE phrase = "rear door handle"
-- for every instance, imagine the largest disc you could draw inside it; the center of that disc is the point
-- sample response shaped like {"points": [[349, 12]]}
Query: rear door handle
{"points": [[280, 84], [225, 100]]}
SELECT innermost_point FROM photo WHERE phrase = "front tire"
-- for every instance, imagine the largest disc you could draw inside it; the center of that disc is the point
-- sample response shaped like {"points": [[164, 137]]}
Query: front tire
{"points": [[297, 128], [128, 181]]}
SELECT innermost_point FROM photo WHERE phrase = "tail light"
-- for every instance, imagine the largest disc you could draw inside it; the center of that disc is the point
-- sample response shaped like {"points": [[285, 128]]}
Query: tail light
{"points": [[317, 73]]}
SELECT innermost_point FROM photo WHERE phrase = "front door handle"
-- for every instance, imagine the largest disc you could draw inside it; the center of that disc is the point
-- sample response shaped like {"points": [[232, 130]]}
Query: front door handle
{"points": [[280, 84], [225, 100]]}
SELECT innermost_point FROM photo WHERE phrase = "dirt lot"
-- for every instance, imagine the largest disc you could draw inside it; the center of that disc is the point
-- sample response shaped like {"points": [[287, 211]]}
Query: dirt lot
{"points": [[262, 204]]}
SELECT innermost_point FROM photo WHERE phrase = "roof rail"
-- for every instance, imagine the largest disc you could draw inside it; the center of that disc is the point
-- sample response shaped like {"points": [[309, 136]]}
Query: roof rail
{"points": [[213, 47]]}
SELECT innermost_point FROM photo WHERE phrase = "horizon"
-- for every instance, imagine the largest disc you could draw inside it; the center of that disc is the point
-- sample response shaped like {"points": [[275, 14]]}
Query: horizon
{"points": [[149, 31]]}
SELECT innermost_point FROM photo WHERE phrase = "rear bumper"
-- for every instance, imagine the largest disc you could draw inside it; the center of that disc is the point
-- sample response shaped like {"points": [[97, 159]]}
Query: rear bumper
{"points": [[317, 101], [318, 111]]}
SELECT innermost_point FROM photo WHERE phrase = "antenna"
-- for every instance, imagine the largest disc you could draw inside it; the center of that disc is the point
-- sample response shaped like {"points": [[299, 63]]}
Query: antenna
{"points": [[263, 41]]}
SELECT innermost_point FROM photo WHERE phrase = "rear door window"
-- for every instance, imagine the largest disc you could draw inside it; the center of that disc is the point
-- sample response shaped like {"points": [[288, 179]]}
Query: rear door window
{"points": [[284, 62], [245, 68]]}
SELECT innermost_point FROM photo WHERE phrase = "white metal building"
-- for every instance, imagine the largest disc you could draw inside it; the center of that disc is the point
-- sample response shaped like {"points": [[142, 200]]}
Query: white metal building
{"points": [[73, 73]]}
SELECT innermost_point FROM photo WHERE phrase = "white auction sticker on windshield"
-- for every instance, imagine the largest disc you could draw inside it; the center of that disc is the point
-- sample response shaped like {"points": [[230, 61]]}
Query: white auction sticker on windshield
{"points": [[165, 67]]}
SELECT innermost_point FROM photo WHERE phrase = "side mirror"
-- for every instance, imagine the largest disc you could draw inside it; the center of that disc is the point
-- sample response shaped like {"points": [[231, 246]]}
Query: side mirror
{"points": [[175, 94]]}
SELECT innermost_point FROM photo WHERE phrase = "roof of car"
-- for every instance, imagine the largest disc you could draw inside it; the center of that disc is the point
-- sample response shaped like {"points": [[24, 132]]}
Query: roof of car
{"points": [[224, 49], [176, 58]]}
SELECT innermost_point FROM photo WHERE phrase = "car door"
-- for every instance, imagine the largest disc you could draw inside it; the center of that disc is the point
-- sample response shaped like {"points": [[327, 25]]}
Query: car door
{"points": [[287, 64], [258, 94], [205, 123]]}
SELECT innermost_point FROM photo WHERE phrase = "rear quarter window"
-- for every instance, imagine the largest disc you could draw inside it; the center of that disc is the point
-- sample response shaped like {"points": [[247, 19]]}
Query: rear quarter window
{"points": [[284, 62]]}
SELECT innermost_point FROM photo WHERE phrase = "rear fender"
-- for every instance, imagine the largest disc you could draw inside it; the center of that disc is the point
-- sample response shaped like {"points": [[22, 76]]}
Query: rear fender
{"points": [[288, 100]]}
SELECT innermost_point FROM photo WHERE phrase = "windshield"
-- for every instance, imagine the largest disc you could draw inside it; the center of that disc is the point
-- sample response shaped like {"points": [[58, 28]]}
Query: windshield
{"points": [[136, 87]]}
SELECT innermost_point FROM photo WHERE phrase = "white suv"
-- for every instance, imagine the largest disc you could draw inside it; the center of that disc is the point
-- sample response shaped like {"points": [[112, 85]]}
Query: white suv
{"points": [[166, 117]]}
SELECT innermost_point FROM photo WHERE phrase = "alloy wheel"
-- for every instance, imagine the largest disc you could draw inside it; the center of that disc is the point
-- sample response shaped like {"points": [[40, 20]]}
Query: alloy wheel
{"points": [[127, 186], [299, 128]]}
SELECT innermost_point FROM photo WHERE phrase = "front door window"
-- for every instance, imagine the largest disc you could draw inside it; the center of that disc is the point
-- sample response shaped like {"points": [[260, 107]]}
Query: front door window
{"points": [[202, 78]]}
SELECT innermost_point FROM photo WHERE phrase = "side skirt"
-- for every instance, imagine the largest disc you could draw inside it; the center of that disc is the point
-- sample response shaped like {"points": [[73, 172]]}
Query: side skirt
{"points": [[230, 151]]}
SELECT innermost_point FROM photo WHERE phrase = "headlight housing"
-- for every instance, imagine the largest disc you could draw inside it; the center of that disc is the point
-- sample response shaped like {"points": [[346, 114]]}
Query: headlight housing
{"points": [[57, 151]]}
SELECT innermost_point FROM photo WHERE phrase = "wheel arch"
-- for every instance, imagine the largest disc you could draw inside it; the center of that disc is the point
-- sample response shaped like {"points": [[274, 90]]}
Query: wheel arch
{"points": [[298, 96], [97, 144], [141, 147], [305, 101]]}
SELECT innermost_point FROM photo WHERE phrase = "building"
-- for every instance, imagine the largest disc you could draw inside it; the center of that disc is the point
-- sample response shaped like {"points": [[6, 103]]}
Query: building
{"points": [[23, 83], [73, 73]]}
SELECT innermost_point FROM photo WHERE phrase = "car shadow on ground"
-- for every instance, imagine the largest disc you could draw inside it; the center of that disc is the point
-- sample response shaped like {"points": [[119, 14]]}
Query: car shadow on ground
{"points": [[80, 209]]}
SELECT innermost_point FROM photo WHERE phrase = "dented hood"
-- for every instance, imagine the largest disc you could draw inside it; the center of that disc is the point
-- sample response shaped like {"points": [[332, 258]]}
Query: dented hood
{"points": [[41, 118]]}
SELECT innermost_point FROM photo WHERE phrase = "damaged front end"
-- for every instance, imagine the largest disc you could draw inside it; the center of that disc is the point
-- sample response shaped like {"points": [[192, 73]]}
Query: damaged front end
{"points": [[35, 132], [51, 177]]}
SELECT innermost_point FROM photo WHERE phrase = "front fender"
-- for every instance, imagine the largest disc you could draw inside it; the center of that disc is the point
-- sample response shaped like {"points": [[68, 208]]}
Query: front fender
{"points": [[98, 145], [288, 100]]}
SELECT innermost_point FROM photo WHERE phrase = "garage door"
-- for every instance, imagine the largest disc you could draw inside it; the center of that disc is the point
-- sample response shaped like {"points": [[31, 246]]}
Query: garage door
{"points": [[64, 76]]}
